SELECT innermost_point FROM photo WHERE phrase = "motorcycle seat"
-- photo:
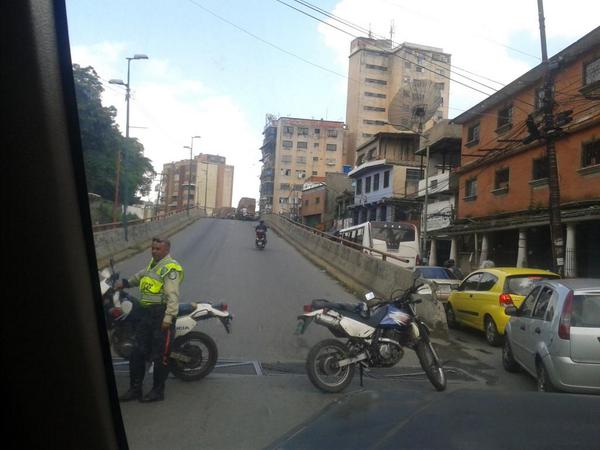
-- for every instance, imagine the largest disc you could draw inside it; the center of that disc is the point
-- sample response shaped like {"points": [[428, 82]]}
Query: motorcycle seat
{"points": [[352, 311], [321, 303], [185, 309]]}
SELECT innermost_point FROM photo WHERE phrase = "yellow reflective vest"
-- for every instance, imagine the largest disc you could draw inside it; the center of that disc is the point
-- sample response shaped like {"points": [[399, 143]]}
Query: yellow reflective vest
{"points": [[152, 281]]}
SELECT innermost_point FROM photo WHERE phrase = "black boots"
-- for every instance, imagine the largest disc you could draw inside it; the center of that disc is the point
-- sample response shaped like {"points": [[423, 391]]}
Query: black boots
{"points": [[155, 395], [134, 393]]}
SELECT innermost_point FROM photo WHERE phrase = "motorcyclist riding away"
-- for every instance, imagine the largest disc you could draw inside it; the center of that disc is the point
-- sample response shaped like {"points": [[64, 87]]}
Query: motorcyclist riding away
{"points": [[261, 228]]}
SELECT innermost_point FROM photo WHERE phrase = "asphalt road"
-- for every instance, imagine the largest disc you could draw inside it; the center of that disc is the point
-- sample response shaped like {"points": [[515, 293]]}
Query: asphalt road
{"points": [[259, 395], [265, 289]]}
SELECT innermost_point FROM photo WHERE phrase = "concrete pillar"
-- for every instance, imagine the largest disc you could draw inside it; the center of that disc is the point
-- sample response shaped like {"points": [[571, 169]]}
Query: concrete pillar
{"points": [[389, 213], [378, 213], [522, 249], [361, 215], [570, 252], [433, 253], [484, 249], [454, 250]]}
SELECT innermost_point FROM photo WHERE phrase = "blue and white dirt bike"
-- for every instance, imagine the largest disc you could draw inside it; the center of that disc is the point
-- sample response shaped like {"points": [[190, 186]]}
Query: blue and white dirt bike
{"points": [[376, 331]]}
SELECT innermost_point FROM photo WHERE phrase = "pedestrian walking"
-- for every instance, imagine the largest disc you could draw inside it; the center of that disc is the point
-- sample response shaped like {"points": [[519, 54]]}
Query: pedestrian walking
{"points": [[451, 266]]}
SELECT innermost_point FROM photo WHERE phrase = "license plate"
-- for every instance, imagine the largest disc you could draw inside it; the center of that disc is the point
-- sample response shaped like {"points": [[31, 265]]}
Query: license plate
{"points": [[301, 326]]}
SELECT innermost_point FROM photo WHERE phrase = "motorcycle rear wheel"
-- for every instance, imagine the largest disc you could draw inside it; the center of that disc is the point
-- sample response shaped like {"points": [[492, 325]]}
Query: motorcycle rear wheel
{"points": [[203, 352], [321, 366], [431, 364]]}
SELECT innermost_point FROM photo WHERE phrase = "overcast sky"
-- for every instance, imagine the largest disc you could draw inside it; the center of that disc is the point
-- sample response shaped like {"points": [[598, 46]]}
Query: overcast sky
{"points": [[217, 77]]}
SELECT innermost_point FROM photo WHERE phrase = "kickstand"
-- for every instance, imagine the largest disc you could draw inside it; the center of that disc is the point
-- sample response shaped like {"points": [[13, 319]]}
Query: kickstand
{"points": [[361, 374]]}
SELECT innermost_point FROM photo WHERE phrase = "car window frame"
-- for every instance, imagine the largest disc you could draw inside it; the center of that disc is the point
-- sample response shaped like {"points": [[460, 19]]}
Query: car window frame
{"points": [[520, 310], [483, 274], [464, 282], [537, 302]]}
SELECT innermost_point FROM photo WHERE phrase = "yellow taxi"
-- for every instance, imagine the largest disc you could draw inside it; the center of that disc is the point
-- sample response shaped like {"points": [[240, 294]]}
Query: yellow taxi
{"points": [[480, 299]]}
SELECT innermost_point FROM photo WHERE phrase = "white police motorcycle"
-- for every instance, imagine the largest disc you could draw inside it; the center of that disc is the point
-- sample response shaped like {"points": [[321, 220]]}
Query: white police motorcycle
{"points": [[194, 354]]}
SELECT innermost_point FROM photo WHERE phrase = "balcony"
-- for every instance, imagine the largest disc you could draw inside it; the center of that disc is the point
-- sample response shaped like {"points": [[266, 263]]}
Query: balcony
{"points": [[439, 183]]}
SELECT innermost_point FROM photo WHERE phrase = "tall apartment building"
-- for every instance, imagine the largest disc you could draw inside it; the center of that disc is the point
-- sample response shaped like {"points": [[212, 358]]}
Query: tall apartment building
{"points": [[382, 80], [211, 184], [293, 150]]}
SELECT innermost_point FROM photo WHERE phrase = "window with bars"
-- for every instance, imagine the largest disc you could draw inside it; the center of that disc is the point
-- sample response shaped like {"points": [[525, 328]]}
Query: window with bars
{"points": [[302, 145], [332, 133], [288, 130], [590, 153], [302, 131], [331, 147], [501, 179], [504, 121], [539, 168], [471, 189], [591, 72], [287, 144], [473, 134]]}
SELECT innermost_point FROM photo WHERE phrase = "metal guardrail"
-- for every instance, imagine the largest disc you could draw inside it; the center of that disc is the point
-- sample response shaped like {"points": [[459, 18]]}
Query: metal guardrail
{"points": [[369, 250], [114, 225]]}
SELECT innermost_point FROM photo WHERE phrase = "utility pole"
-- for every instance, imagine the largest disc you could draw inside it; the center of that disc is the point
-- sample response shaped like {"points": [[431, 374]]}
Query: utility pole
{"points": [[124, 168], [549, 132], [189, 186]]}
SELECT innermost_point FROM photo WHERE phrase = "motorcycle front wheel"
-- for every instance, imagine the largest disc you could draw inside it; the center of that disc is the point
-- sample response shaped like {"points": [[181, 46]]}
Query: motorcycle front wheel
{"points": [[431, 364], [322, 366], [200, 354]]}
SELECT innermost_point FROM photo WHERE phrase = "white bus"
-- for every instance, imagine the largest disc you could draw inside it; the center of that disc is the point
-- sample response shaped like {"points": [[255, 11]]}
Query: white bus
{"points": [[396, 238]]}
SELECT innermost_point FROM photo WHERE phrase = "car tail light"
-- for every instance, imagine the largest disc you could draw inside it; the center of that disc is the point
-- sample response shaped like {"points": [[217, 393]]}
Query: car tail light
{"points": [[505, 300], [308, 308], [224, 307], [564, 325]]}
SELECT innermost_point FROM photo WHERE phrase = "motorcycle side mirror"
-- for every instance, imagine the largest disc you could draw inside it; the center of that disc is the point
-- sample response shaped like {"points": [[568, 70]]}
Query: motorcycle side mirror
{"points": [[369, 296]]}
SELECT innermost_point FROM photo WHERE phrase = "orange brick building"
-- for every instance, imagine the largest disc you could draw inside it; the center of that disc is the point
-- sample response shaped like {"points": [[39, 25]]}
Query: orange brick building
{"points": [[502, 204]]}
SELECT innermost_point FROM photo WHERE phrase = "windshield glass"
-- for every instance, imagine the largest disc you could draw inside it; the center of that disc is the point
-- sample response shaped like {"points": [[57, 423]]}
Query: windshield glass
{"points": [[436, 273], [200, 118], [586, 311], [522, 284], [393, 234]]}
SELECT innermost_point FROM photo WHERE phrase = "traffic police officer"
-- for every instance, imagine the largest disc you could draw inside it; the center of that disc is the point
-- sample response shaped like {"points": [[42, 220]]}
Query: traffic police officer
{"points": [[159, 289]]}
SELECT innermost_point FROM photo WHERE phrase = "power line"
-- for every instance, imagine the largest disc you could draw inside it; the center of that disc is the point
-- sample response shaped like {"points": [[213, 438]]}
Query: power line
{"points": [[480, 36], [264, 41], [402, 58], [364, 30]]}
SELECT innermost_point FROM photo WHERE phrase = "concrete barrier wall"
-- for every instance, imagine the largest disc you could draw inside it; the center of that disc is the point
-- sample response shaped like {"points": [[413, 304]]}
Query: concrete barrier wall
{"points": [[357, 270], [112, 243]]}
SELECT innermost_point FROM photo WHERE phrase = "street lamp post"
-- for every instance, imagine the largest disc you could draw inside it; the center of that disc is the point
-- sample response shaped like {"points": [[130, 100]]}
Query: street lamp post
{"points": [[191, 147], [127, 97]]}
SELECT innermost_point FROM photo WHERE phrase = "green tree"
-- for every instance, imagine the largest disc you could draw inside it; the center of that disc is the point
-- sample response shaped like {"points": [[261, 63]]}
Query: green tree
{"points": [[102, 141]]}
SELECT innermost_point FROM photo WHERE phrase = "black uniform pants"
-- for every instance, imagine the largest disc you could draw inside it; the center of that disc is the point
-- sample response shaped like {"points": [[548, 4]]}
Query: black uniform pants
{"points": [[151, 344]]}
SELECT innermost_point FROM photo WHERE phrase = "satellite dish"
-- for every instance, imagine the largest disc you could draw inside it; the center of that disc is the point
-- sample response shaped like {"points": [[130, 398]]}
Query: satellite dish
{"points": [[414, 104]]}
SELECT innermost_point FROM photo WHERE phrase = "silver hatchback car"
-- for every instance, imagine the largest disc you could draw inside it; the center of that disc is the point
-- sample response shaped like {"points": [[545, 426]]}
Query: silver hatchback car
{"points": [[555, 335]]}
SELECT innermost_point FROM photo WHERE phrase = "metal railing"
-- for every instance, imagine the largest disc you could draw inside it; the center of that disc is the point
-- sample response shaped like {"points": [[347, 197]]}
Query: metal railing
{"points": [[363, 249], [114, 225]]}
